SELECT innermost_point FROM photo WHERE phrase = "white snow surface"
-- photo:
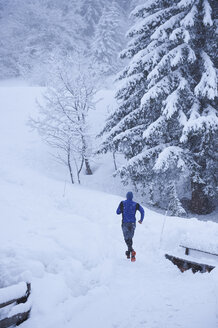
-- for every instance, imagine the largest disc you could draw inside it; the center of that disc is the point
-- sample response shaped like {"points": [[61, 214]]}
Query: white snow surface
{"points": [[66, 240]]}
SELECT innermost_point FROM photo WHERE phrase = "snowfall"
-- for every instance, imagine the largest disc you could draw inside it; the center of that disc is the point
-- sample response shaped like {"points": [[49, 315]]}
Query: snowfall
{"points": [[66, 240]]}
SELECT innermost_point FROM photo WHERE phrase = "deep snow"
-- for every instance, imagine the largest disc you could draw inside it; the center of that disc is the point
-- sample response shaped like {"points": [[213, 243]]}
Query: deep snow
{"points": [[66, 240]]}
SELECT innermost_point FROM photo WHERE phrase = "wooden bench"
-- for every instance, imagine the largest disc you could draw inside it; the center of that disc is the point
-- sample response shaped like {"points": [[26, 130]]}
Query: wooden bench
{"points": [[188, 249], [184, 264], [16, 299]]}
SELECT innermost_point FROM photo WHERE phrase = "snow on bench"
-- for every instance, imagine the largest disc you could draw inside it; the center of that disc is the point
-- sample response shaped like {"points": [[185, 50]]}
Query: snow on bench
{"points": [[15, 304], [195, 259], [9, 295], [192, 250]]}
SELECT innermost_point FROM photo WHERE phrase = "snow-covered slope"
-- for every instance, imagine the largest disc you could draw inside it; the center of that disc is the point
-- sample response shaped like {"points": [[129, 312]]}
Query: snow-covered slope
{"points": [[67, 241]]}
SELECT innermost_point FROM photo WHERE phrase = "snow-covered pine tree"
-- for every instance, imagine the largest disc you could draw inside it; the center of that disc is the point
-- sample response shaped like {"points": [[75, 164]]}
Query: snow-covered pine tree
{"points": [[174, 207], [108, 39], [91, 11], [166, 122]]}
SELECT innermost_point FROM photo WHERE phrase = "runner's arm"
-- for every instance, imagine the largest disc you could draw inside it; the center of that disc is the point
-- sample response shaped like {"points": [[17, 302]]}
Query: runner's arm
{"points": [[142, 212], [120, 208]]}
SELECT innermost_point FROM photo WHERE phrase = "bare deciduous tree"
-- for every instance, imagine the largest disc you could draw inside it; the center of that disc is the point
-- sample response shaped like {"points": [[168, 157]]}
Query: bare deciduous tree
{"points": [[63, 120]]}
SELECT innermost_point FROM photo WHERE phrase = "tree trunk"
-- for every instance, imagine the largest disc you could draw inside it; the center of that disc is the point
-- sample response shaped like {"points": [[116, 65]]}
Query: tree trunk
{"points": [[84, 150], [200, 203], [88, 168], [69, 167], [78, 170], [78, 178], [114, 158], [81, 166]]}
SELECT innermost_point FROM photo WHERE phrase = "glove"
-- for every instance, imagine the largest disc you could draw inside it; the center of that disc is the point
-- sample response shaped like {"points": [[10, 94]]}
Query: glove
{"points": [[140, 221]]}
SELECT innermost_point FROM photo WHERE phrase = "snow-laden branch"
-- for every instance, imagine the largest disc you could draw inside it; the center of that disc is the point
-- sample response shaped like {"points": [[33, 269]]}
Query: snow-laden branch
{"points": [[160, 88], [173, 58], [161, 31], [173, 100], [207, 20], [185, 3], [189, 19], [153, 128], [170, 156], [150, 21], [142, 10], [180, 33], [207, 87], [204, 124]]}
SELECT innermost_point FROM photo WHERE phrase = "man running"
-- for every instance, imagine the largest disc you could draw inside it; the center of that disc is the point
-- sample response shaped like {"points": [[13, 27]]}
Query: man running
{"points": [[128, 209]]}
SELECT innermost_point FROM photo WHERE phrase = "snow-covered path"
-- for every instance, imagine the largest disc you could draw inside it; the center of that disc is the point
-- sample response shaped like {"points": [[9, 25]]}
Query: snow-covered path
{"points": [[80, 277], [67, 241]]}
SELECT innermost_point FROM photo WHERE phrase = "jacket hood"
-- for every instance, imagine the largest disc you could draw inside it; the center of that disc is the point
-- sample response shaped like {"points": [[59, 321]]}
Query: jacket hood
{"points": [[129, 195]]}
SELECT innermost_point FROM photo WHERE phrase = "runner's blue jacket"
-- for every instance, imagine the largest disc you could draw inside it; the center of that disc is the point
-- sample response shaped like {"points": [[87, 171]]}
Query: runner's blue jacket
{"points": [[128, 209]]}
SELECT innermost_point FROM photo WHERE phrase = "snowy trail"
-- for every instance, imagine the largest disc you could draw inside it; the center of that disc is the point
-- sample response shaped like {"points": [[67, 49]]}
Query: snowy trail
{"points": [[80, 276], [111, 291], [71, 247]]}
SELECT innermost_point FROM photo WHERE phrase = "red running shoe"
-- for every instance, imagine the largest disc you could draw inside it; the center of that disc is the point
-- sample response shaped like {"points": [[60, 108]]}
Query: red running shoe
{"points": [[133, 254]]}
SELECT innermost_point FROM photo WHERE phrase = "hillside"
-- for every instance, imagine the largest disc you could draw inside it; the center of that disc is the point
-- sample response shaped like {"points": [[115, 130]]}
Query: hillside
{"points": [[66, 240]]}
